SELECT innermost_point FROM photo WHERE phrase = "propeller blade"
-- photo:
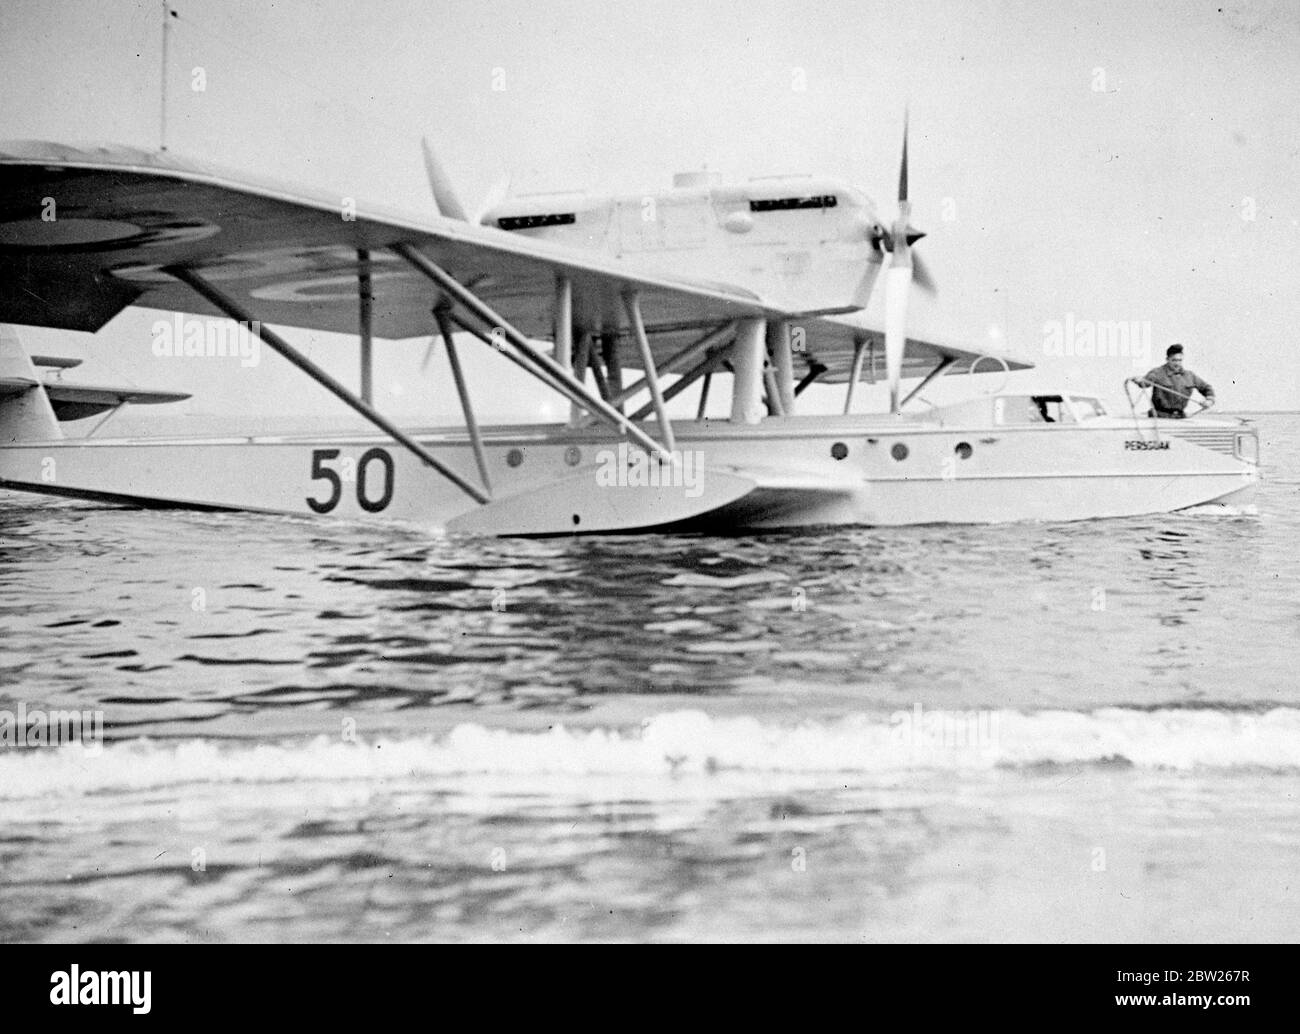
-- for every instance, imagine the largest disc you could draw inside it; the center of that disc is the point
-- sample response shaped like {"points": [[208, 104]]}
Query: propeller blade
{"points": [[444, 197], [429, 353], [499, 191], [902, 169], [921, 276], [898, 285]]}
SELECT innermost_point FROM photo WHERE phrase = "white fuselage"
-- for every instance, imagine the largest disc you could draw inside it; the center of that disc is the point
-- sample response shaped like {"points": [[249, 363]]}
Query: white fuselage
{"points": [[958, 465]]}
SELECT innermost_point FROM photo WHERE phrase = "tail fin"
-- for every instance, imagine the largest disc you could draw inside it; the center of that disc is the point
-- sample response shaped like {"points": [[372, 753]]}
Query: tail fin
{"points": [[25, 411]]}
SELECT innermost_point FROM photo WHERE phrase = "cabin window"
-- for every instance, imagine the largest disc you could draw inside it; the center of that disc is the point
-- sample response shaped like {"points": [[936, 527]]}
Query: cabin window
{"points": [[1017, 409], [1053, 409], [786, 204], [1088, 408], [1033, 409], [532, 222]]}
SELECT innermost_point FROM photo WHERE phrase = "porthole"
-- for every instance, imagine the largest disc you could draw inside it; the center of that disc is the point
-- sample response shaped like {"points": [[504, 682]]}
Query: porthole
{"points": [[515, 457], [572, 455], [576, 519], [839, 450], [899, 451], [964, 450]]}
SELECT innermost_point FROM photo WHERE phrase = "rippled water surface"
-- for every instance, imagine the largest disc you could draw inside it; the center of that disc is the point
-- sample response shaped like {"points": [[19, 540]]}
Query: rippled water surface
{"points": [[339, 731]]}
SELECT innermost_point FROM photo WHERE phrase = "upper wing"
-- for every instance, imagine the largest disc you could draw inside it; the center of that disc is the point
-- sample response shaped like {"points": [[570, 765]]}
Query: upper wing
{"points": [[85, 233]]}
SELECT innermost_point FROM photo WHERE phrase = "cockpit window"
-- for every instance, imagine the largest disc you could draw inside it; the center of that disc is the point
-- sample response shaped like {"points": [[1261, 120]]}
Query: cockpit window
{"points": [[785, 204]]}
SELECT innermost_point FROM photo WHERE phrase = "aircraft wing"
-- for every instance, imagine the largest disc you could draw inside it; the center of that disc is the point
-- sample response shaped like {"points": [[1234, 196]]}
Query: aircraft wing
{"points": [[77, 401], [12, 387], [831, 341], [86, 232]]}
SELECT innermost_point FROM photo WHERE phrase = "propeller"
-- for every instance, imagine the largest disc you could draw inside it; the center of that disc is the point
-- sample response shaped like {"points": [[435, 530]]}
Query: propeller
{"points": [[898, 282], [448, 204], [903, 231], [498, 192], [883, 241], [921, 275], [429, 352], [445, 199]]}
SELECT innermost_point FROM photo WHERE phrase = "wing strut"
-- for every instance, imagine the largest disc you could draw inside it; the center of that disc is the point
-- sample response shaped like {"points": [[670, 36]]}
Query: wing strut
{"points": [[704, 395], [778, 343], [670, 365], [458, 375], [939, 368], [365, 303], [613, 367], [107, 417], [633, 304], [597, 368], [859, 355], [494, 341], [748, 356], [815, 370], [703, 369], [773, 395], [543, 366], [231, 308], [563, 322], [581, 362]]}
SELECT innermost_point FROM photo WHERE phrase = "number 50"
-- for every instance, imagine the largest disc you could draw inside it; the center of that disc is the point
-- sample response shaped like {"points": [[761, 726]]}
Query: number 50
{"points": [[320, 472]]}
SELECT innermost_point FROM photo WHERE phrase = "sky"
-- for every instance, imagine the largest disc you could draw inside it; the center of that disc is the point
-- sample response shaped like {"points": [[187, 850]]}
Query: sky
{"points": [[1080, 161]]}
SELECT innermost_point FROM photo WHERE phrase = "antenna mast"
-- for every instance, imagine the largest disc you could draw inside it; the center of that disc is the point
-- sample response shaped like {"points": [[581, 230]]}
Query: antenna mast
{"points": [[166, 39]]}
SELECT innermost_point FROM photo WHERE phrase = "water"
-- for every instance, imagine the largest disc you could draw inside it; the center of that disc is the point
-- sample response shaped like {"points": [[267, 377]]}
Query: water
{"points": [[1084, 731]]}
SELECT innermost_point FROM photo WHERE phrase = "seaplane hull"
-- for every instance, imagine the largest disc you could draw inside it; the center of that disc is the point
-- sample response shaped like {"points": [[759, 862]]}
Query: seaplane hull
{"points": [[780, 473]]}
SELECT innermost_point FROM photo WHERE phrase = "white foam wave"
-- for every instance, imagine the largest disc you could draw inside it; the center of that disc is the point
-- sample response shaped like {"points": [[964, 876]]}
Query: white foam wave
{"points": [[1222, 510], [684, 743]]}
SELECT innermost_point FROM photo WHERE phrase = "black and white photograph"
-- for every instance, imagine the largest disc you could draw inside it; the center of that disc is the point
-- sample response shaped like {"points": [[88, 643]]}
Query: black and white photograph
{"points": [[611, 472]]}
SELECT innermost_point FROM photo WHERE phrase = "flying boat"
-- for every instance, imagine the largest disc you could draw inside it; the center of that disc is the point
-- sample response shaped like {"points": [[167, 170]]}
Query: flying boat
{"points": [[617, 304]]}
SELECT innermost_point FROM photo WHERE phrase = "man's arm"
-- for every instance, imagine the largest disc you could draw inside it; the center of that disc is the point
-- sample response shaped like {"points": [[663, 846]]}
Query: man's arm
{"points": [[1203, 387]]}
